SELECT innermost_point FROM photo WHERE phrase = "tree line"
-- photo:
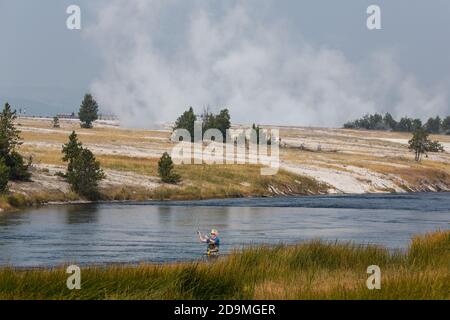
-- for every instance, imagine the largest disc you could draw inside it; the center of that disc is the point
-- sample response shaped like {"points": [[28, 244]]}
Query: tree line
{"points": [[220, 121], [387, 122]]}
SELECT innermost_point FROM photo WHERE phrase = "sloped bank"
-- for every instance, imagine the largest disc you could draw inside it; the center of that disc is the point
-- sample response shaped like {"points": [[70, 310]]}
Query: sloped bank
{"points": [[198, 182]]}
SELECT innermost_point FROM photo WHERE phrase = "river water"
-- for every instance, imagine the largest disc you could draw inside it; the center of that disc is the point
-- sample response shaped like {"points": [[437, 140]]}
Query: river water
{"points": [[166, 231]]}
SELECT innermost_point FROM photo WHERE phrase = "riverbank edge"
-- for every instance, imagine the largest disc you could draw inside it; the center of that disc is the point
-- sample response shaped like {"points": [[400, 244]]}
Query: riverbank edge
{"points": [[17, 202]]}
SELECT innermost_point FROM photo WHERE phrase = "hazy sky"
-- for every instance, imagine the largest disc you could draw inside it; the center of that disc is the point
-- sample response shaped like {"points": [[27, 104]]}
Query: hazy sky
{"points": [[286, 61]]}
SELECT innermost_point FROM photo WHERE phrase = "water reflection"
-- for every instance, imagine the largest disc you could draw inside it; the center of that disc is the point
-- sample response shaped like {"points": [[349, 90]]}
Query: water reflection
{"points": [[78, 215], [164, 215], [11, 219]]}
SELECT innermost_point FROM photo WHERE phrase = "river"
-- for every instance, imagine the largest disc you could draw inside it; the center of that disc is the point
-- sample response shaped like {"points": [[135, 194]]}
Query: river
{"points": [[166, 231]]}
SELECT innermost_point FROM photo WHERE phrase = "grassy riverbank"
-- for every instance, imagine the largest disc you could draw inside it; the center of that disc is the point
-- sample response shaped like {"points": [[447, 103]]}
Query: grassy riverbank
{"points": [[199, 182], [312, 270]]}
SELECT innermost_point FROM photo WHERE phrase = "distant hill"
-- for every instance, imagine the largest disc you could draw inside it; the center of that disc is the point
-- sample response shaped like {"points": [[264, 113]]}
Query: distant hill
{"points": [[42, 101]]}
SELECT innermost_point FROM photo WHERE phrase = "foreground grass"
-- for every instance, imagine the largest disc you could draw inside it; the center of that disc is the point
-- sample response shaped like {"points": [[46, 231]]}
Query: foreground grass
{"points": [[313, 270]]}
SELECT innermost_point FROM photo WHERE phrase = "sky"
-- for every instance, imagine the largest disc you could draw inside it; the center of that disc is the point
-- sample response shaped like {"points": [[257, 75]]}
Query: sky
{"points": [[286, 62]]}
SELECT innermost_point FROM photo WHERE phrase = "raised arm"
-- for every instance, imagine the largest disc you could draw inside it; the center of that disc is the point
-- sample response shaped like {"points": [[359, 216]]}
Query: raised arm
{"points": [[201, 237]]}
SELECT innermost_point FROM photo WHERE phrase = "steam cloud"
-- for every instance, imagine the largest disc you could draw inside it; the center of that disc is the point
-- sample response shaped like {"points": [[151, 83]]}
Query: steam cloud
{"points": [[155, 66]]}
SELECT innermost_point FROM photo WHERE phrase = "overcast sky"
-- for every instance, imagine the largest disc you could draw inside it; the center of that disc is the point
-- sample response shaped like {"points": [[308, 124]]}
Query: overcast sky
{"points": [[286, 61]]}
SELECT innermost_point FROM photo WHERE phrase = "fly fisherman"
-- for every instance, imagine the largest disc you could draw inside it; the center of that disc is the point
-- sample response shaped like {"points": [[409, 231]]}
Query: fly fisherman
{"points": [[212, 240]]}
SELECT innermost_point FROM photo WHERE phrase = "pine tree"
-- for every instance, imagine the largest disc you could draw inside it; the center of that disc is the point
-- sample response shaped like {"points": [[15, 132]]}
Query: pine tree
{"points": [[71, 150], [165, 169], [9, 135], [223, 122], [4, 176], [258, 135], [55, 122], [389, 121], [433, 125], [9, 140], [421, 145], [18, 169], [88, 111], [187, 121], [446, 125], [85, 174]]}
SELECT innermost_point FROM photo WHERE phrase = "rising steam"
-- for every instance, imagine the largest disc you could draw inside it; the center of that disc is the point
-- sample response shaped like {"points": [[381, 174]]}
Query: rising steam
{"points": [[157, 63]]}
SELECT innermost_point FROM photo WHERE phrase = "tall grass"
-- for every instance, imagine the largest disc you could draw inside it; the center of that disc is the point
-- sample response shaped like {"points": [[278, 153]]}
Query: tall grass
{"points": [[312, 270]]}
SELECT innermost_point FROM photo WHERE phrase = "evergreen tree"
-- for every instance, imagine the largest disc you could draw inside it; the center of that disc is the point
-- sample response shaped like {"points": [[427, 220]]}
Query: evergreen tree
{"points": [[71, 150], [18, 169], [9, 135], [387, 122], [223, 122], [9, 140], [254, 135], [187, 121], [446, 125], [376, 122], [259, 135], [85, 174], [88, 111], [165, 170], [390, 122], [421, 145], [416, 124], [433, 125], [209, 121], [220, 122], [405, 125], [55, 122], [4, 176]]}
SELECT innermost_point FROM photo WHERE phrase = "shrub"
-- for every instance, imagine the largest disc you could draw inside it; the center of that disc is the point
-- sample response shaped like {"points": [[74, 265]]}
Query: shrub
{"points": [[18, 200]]}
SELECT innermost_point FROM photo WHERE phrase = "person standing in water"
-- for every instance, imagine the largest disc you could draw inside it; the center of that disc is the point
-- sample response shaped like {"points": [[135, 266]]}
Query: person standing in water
{"points": [[212, 240]]}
